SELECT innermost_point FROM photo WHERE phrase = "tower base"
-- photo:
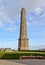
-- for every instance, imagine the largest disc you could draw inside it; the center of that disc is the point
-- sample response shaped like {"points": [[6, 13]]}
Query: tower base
{"points": [[23, 44]]}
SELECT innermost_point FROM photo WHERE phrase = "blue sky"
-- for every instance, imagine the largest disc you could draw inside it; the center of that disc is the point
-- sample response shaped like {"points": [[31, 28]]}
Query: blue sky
{"points": [[10, 23]]}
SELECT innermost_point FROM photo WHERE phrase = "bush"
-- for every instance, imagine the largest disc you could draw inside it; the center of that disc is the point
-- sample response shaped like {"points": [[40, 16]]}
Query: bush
{"points": [[16, 55]]}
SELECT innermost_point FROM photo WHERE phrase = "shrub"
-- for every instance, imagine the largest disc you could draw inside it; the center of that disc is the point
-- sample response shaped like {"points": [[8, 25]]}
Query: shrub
{"points": [[16, 55]]}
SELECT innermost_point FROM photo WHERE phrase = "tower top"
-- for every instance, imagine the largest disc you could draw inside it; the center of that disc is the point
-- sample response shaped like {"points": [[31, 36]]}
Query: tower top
{"points": [[23, 9]]}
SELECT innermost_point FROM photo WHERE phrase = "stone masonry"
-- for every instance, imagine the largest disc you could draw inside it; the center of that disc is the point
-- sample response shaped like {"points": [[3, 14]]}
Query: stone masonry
{"points": [[23, 40]]}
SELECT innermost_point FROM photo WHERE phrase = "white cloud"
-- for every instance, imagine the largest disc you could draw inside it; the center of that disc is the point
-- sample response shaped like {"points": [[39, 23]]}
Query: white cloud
{"points": [[1, 25], [36, 17], [5, 19], [41, 46], [10, 28], [10, 9], [38, 10], [13, 7]]}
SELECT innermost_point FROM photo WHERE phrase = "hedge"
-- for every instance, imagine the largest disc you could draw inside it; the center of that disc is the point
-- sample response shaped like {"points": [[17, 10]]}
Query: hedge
{"points": [[16, 55]]}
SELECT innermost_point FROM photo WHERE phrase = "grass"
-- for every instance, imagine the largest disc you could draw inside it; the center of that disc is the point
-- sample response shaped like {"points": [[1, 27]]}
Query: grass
{"points": [[17, 54]]}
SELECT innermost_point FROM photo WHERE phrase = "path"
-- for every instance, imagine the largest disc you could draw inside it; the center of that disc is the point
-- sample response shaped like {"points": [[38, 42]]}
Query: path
{"points": [[22, 62]]}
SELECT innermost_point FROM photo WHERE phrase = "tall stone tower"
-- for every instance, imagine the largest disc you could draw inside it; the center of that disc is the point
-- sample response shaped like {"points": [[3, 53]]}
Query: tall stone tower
{"points": [[23, 40]]}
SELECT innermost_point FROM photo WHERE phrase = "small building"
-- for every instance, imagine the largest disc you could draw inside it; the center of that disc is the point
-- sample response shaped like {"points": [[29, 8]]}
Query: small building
{"points": [[8, 50], [1, 49]]}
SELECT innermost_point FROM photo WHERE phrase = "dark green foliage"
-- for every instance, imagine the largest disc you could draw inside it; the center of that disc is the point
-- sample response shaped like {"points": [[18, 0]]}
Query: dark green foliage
{"points": [[16, 55]]}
